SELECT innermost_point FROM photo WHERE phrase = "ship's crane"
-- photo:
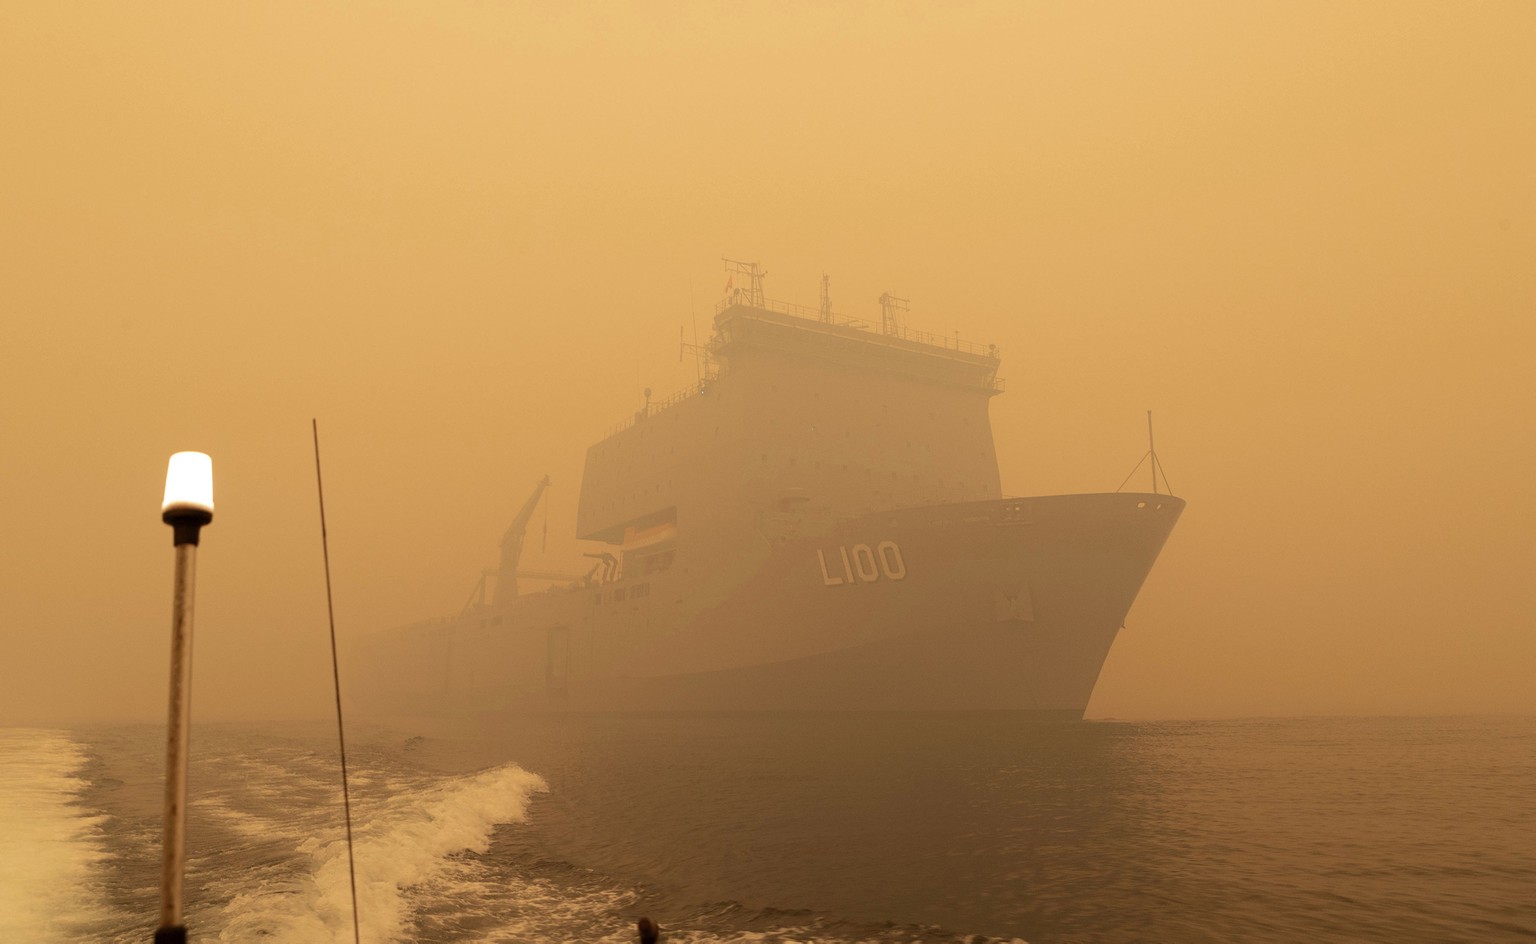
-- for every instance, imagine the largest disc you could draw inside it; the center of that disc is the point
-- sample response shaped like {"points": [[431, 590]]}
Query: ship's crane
{"points": [[512, 543]]}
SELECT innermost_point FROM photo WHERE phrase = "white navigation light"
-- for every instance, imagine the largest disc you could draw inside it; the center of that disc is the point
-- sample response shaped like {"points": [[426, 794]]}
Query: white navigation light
{"points": [[188, 484]]}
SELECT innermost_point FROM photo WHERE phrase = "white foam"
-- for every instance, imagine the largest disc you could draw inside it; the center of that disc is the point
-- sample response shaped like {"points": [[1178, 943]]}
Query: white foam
{"points": [[401, 843], [506, 906], [51, 849]]}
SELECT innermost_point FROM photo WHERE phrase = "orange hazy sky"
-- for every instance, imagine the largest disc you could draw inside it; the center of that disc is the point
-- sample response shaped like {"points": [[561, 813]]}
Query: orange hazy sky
{"points": [[464, 236]]}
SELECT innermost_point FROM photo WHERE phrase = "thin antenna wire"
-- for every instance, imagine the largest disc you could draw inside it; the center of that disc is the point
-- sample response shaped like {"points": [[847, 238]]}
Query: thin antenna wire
{"points": [[1157, 464], [1133, 472], [330, 611], [1163, 474]]}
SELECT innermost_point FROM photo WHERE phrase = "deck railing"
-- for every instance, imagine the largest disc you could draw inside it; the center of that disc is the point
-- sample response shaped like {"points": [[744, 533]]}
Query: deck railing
{"points": [[652, 407], [806, 312]]}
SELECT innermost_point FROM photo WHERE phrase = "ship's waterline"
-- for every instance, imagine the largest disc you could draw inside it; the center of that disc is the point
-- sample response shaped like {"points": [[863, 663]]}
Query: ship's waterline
{"points": [[818, 524]]}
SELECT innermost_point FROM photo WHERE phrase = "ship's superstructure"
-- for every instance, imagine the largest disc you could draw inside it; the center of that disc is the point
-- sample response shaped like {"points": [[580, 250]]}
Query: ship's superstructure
{"points": [[807, 424], [818, 523]]}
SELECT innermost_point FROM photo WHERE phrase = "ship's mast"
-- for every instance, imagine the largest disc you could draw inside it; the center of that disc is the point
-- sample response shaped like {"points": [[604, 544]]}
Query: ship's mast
{"points": [[754, 275], [826, 298], [1151, 459]]}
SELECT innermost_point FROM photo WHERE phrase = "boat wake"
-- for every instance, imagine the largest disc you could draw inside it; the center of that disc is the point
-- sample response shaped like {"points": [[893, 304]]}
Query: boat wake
{"points": [[51, 847], [439, 858], [405, 843]]}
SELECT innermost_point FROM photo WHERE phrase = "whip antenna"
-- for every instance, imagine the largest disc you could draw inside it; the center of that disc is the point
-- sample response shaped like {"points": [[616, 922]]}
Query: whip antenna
{"points": [[330, 611]]}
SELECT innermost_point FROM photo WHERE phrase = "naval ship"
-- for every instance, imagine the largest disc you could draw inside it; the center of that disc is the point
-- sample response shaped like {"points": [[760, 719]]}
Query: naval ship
{"points": [[817, 524]]}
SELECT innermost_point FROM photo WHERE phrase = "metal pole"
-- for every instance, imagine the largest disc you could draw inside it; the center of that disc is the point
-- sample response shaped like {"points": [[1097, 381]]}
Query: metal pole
{"points": [[173, 864], [1152, 451], [187, 508]]}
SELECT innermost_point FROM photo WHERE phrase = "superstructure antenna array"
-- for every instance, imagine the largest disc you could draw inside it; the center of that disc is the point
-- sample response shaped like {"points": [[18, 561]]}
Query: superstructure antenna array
{"points": [[752, 273], [890, 308], [703, 357], [826, 298]]}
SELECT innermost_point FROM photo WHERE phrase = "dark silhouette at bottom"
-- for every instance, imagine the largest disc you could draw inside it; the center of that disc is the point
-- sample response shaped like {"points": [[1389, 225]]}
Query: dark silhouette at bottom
{"points": [[650, 933]]}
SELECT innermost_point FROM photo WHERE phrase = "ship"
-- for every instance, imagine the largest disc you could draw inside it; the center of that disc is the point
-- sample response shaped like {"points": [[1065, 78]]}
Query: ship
{"points": [[817, 524]]}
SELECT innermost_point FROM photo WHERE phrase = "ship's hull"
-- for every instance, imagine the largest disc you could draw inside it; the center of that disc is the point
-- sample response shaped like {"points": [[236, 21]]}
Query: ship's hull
{"points": [[1009, 604]]}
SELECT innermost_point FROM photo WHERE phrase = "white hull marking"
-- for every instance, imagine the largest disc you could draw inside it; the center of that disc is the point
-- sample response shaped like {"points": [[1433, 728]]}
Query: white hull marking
{"points": [[864, 560], [869, 564], [827, 579]]}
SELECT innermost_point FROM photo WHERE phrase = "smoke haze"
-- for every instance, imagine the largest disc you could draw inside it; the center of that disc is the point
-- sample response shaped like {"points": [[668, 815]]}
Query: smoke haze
{"points": [[464, 236]]}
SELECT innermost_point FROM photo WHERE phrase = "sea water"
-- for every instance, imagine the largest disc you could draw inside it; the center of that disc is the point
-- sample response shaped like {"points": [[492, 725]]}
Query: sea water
{"points": [[788, 827]]}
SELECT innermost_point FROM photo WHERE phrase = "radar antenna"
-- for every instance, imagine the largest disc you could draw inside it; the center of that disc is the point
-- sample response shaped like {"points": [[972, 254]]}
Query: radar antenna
{"points": [[754, 275], [826, 298]]}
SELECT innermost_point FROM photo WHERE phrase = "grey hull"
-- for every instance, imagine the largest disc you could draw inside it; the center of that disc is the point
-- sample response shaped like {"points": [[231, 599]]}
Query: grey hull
{"points": [[1008, 604]]}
